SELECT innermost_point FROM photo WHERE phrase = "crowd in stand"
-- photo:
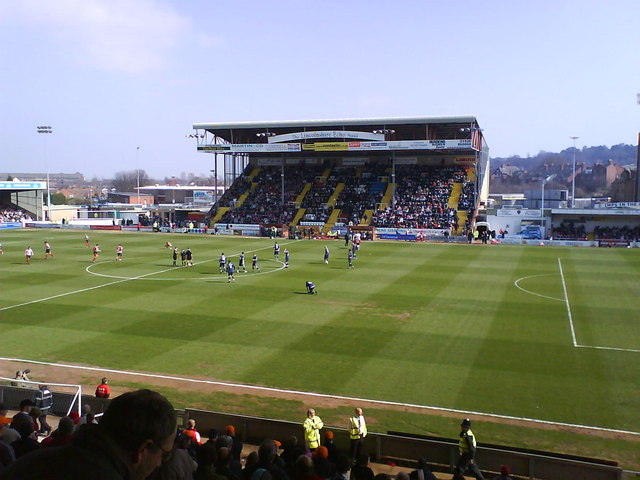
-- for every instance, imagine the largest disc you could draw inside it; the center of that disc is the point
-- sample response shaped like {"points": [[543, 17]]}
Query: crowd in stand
{"points": [[9, 214], [617, 233], [467, 198], [569, 231], [137, 439], [421, 198]]}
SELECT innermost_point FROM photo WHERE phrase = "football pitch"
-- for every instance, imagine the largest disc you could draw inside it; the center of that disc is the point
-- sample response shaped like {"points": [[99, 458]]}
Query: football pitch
{"points": [[528, 332]]}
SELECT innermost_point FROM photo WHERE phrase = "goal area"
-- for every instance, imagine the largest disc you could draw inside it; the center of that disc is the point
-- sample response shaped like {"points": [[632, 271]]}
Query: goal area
{"points": [[66, 398]]}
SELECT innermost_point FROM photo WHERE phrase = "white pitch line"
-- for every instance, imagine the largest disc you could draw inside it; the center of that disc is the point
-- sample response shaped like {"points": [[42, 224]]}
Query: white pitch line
{"points": [[566, 299], [323, 395], [73, 292], [517, 284], [619, 349]]}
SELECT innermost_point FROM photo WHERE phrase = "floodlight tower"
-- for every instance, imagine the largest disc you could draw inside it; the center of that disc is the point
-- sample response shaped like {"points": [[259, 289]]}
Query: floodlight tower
{"points": [[46, 129], [573, 178]]}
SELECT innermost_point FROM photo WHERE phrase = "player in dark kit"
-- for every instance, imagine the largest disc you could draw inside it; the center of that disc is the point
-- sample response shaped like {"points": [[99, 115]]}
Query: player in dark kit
{"points": [[189, 255], [311, 288], [254, 263], [350, 259], [286, 258], [175, 256], [183, 256], [276, 251], [231, 270], [241, 263]]}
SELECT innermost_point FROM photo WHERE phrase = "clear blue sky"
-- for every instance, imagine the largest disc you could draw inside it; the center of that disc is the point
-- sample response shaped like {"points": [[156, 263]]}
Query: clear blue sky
{"points": [[112, 75]]}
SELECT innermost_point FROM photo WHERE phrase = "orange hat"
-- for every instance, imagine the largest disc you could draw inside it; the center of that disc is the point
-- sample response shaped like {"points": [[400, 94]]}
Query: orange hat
{"points": [[231, 430], [328, 434], [278, 444], [321, 452], [4, 420]]}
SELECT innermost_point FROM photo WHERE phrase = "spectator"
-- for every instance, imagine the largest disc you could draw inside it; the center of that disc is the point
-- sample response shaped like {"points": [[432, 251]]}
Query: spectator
{"points": [[27, 442], [331, 447], [134, 436], [236, 448], [343, 465], [423, 472], [62, 435], [103, 390], [505, 474], [361, 470], [44, 401], [321, 464], [179, 466], [304, 469], [192, 433], [292, 450], [7, 454]]}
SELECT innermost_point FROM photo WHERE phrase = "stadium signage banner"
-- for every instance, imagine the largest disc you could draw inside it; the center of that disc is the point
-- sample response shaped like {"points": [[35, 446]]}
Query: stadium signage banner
{"points": [[288, 137], [517, 212], [354, 146], [23, 185], [11, 225], [410, 231], [617, 205], [252, 148]]}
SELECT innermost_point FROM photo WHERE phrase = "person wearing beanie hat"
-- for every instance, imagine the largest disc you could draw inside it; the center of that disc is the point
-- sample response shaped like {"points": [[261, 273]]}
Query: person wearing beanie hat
{"points": [[467, 448], [505, 474], [236, 445], [331, 447]]}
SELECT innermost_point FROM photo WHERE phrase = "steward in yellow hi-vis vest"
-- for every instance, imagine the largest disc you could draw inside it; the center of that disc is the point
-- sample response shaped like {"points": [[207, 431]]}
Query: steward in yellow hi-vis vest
{"points": [[357, 432], [312, 426], [467, 447]]}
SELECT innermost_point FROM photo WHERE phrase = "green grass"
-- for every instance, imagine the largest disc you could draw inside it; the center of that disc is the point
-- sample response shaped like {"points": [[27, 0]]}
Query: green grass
{"points": [[438, 325]]}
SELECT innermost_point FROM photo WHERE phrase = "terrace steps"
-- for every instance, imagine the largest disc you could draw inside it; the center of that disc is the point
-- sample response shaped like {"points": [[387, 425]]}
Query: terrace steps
{"points": [[304, 191], [366, 218], [334, 196], [455, 196], [254, 173], [219, 214], [386, 199], [331, 221], [299, 214]]}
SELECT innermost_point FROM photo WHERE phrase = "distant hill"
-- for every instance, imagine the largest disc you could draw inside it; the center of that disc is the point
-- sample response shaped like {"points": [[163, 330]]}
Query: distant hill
{"points": [[621, 154]]}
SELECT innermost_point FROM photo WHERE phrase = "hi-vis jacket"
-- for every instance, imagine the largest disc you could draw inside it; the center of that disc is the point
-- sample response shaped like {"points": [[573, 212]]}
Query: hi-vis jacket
{"points": [[357, 427], [312, 428]]}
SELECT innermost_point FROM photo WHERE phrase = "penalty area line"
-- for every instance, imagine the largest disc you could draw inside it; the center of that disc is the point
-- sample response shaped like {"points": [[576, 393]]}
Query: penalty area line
{"points": [[324, 395]]}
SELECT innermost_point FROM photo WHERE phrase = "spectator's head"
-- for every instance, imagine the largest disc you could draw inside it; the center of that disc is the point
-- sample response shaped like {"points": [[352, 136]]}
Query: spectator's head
{"points": [[343, 463], [504, 470], [252, 459], [206, 455], [224, 456], [231, 430], [266, 451], [402, 476], [321, 452], [35, 412], [224, 441], [213, 434], [328, 435], [86, 408], [261, 474], [104, 379], [191, 424], [3, 410], [65, 426], [143, 424], [75, 416], [358, 411], [26, 405], [311, 412], [4, 425], [304, 466], [363, 459]]}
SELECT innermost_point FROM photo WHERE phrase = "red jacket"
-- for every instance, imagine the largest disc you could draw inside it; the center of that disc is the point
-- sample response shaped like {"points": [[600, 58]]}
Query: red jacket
{"points": [[103, 391]]}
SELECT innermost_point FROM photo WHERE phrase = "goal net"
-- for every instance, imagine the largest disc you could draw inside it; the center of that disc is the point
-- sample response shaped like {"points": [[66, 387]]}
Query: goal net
{"points": [[66, 398]]}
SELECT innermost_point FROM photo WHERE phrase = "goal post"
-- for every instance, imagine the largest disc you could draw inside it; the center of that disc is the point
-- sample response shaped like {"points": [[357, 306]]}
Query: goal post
{"points": [[66, 397]]}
